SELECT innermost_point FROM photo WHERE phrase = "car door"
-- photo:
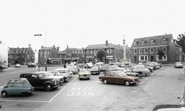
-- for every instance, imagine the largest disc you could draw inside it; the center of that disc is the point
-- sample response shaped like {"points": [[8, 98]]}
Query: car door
{"points": [[117, 78], [110, 77], [34, 80]]}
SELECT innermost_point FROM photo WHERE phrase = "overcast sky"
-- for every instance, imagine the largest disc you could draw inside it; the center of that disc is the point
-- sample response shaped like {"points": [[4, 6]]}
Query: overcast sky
{"points": [[78, 23]]}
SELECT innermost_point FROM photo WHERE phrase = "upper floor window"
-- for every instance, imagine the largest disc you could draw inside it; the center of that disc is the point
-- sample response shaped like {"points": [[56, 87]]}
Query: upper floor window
{"points": [[140, 51], [151, 50], [164, 40], [135, 42], [109, 51], [164, 49], [87, 51], [152, 41], [135, 51], [146, 51], [143, 42]]}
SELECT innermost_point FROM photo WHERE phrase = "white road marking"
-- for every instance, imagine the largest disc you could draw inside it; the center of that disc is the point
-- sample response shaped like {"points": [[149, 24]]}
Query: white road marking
{"points": [[25, 101], [62, 89], [148, 77]]}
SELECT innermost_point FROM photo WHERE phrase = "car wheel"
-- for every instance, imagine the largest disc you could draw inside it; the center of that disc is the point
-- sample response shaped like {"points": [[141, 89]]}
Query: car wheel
{"points": [[105, 81], [127, 83], [49, 87], [4, 94]]}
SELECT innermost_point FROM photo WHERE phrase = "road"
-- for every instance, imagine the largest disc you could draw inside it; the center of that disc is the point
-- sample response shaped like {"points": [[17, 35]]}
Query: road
{"points": [[163, 86]]}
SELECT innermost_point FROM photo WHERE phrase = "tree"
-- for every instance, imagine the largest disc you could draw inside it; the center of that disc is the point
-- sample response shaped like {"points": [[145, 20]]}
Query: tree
{"points": [[181, 41], [101, 54], [160, 53]]}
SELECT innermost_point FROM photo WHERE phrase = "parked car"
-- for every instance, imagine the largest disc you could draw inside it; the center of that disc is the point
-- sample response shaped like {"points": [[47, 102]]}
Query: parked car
{"points": [[31, 65], [128, 72], [169, 107], [51, 74], [39, 81], [17, 86], [64, 72], [178, 65], [95, 70], [73, 68], [84, 74], [17, 65], [118, 77], [143, 71]]}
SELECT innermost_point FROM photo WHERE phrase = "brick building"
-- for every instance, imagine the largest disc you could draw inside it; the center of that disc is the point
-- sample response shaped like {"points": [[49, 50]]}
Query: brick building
{"points": [[114, 53], [21, 55], [146, 49]]}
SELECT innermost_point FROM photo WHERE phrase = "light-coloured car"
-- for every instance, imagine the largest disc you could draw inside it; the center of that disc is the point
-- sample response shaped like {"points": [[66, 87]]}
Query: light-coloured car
{"points": [[141, 70], [84, 74], [178, 65], [17, 86], [95, 70], [64, 72], [73, 68], [17, 65]]}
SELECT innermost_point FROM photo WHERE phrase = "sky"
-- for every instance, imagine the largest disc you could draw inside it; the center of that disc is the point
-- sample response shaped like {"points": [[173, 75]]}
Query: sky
{"points": [[79, 23]]}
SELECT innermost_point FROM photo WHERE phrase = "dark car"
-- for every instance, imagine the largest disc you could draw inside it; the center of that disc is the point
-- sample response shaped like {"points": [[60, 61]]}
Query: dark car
{"points": [[169, 107], [17, 86], [118, 77], [31, 65], [38, 81]]}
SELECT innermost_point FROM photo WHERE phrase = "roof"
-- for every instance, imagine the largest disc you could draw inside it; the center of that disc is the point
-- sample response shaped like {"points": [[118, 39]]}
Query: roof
{"points": [[20, 50], [158, 40], [102, 46]]}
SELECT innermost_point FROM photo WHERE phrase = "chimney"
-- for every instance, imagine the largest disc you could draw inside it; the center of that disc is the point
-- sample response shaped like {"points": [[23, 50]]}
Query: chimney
{"points": [[106, 43], [29, 45]]}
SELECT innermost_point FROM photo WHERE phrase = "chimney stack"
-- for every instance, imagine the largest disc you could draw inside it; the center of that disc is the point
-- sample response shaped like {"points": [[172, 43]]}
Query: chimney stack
{"points": [[106, 43]]}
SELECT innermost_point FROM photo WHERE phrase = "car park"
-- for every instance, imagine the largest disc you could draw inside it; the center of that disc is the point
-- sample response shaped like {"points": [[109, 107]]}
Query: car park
{"points": [[118, 77], [84, 74], [64, 72], [178, 65], [39, 81], [31, 65], [17, 86]]}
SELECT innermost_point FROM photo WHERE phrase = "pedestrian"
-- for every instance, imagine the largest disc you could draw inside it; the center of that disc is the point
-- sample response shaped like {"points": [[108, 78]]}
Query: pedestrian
{"points": [[45, 67], [64, 65]]}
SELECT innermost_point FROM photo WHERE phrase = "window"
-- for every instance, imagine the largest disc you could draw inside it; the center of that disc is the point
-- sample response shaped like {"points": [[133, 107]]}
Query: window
{"points": [[152, 41], [151, 50], [143, 57], [164, 40], [135, 42], [164, 49], [143, 42], [135, 51], [146, 51], [109, 51], [140, 51], [91, 51]]}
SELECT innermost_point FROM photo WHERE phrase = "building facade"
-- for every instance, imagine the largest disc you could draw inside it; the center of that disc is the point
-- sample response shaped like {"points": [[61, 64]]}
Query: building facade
{"points": [[71, 55], [146, 49], [21, 55], [113, 53], [48, 55]]}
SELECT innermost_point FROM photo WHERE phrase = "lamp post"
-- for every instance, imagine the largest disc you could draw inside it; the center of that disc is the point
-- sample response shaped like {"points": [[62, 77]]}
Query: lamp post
{"points": [[124, 51]]}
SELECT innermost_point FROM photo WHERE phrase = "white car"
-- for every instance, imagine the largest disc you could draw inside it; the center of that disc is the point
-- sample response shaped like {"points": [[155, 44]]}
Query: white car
{"points": [[64, 72], [17, 65]]}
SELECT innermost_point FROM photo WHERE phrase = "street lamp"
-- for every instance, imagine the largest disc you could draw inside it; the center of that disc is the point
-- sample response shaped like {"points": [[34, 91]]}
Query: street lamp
{"points": [[124, 51]]}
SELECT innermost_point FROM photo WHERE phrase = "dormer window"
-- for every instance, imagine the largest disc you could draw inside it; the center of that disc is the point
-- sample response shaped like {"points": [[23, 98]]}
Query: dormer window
{"points": [[143, 42], [164, 40], [135, 42], [152, 41]]}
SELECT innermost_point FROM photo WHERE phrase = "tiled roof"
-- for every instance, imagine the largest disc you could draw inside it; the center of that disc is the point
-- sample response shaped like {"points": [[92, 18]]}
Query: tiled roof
{"points": [[158, 40], [100, 46], [19, 50]]}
